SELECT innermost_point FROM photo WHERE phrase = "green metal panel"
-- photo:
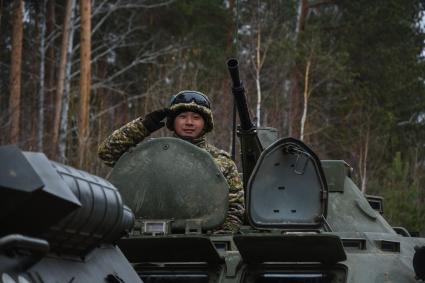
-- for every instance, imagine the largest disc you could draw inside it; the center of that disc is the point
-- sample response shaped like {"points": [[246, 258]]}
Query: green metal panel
{"points": [[350, 212], [287, 188], [335, 172], [175, 248], [267, 136], [258, 248], [171, 179]]}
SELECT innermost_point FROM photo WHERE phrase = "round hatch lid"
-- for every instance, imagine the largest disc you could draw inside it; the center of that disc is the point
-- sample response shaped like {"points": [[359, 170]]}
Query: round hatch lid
{"points": [[171, 179]]}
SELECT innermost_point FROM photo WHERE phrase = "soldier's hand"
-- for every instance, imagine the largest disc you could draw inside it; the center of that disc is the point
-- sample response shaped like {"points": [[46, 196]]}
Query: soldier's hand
{"points": [[153, 121]]}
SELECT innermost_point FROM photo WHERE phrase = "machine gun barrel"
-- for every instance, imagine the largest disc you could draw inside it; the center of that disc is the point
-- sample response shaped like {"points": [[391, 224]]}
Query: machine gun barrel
{"points": [[250, 145], [238, 91]]}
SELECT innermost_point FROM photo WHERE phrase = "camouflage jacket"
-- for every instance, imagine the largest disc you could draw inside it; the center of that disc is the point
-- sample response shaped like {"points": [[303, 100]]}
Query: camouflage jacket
{"points": [[111, 149]]}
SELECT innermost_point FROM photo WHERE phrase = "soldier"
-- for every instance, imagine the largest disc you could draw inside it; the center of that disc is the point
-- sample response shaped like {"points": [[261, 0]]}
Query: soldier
{"points": [[190, 118]]}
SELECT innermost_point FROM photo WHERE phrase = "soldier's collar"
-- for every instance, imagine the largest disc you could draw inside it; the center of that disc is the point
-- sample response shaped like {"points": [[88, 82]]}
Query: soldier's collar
{"points": [[201, 141]]}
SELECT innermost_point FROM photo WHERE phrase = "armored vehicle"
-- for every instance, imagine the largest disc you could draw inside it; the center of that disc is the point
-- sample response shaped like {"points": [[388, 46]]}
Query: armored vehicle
{"points": [[59, 224], [306, 220]]}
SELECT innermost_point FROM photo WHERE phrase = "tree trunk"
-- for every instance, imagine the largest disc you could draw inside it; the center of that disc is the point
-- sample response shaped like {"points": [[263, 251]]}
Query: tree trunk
{"points": [[294, 116], [85, 50], [50, 76], [364, 161], [61, 75], [306, 95], [29, 106], [231, 51], [301, 17], [232, 31], [65, 102], [1, 16], [257, 75], [15, 73], [42, 76]]}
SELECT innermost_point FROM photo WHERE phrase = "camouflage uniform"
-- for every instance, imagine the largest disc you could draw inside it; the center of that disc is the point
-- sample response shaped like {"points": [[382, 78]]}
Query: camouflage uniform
{"points": [[134, 132]]}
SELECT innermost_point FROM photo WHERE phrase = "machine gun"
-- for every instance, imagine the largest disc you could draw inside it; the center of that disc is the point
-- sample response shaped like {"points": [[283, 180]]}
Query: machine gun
{"points": [[59, 224], [251, 146]]}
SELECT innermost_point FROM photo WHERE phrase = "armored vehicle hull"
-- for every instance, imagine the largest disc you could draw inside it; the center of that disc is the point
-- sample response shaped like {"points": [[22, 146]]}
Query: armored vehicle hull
{"points": [[306, 220], [351, 242], [59, 224]]}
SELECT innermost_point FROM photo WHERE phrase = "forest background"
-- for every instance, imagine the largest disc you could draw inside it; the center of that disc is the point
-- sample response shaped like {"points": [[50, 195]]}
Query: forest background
{"points": [[346, 77]]}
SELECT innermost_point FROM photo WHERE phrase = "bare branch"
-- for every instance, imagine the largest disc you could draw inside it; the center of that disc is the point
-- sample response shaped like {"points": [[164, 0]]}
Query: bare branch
{"points": [[133, 5], [147, 58]]}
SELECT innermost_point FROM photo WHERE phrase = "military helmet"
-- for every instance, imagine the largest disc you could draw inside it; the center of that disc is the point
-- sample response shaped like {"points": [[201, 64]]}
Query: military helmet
{"points": [[194, 101]]}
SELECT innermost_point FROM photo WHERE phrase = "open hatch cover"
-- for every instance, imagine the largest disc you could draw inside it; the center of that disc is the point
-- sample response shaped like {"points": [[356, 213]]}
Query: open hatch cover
{"points": [[287, 189], [172, 179], [323, 248]]}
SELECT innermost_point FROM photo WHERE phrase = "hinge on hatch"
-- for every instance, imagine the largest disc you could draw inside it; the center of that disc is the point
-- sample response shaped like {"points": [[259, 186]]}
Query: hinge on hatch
{"points": [[193, 226], [301, 161], [155, 227]]}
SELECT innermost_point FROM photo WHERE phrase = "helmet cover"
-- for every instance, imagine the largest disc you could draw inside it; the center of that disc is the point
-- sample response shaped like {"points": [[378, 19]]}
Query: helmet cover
{"points": [[193, 101]]}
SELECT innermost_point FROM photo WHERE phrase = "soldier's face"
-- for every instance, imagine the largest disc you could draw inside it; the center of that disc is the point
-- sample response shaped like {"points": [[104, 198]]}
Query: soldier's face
{"points": [[189, 125]]}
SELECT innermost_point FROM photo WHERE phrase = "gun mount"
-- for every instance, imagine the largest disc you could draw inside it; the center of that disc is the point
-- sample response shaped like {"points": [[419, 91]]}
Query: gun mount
{"points": [[251, 146]]}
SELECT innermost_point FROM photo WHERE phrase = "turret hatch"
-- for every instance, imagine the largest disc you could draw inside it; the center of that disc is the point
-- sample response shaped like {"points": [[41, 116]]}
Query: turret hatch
{"points": [[287, 189], [171, 182]]}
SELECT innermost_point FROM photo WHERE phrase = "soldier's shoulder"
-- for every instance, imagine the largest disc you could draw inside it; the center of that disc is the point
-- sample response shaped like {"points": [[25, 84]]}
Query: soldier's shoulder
{"points": [[216, 152]]}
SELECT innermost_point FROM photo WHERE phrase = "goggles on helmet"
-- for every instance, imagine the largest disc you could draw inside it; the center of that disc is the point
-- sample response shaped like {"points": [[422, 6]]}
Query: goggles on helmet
{"points": [[190, 96]]}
